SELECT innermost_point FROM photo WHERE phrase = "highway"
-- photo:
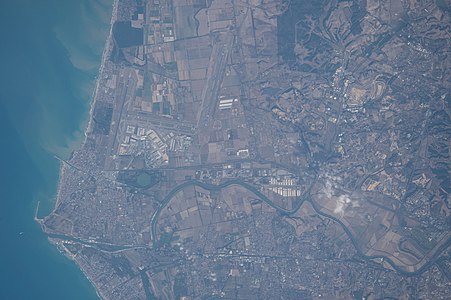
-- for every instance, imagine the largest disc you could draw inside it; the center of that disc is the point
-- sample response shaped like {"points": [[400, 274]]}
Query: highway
{"points": [[305, 197]]}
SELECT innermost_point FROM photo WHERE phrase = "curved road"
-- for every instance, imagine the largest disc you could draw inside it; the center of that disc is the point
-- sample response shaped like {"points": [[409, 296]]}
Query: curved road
{"points": [[305, 197]]}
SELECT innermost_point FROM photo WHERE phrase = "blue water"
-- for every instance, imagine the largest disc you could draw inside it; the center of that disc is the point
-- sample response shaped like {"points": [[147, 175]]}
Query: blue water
{"points": [[50, 52]]}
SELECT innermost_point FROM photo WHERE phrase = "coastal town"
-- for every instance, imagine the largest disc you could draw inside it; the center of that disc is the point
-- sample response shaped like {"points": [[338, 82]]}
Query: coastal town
{"points": [[265, 149]]}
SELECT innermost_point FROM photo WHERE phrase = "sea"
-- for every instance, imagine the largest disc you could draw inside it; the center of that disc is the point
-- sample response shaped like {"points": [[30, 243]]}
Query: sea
{"points": [[50, 52]]}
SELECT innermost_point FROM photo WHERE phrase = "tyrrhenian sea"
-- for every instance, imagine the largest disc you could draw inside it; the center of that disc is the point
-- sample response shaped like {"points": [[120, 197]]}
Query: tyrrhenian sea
{"points": [[50, 51]]}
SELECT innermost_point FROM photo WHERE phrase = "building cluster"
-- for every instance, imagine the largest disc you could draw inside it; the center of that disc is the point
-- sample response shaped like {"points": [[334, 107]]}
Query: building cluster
{"points": [[264, 150]]}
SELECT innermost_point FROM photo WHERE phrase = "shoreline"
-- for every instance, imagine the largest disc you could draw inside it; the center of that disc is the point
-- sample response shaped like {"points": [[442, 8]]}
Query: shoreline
{"points": [[59, 246], [105, 54], [62, 165], [93, 99]]}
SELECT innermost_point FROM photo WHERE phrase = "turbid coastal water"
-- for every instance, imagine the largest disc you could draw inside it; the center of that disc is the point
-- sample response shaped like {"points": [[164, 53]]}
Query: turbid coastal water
{"points": [[50, 55]]}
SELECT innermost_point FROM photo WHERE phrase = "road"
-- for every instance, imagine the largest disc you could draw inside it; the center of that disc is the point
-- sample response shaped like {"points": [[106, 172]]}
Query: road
{"points": [[215, 73], [305, 197]]}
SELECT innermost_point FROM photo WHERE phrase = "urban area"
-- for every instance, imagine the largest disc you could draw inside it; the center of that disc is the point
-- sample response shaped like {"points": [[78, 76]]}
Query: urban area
{"points": [[265, 149]]}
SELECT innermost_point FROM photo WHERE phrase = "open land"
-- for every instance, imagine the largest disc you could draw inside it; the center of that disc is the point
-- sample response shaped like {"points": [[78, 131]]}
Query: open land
{"points": [[265, 149]]}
